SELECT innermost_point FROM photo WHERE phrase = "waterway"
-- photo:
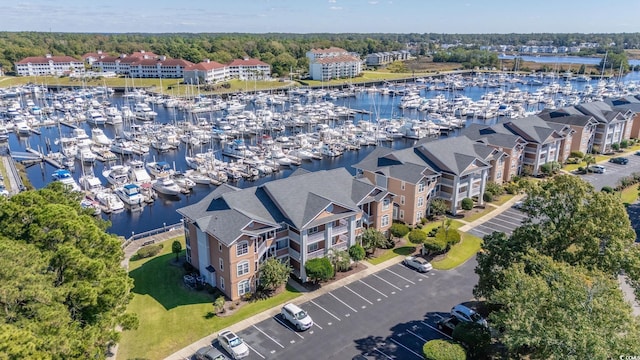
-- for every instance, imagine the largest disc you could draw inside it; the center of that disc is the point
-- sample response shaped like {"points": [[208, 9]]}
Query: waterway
{"points": [[543, 59], [163, 211]]}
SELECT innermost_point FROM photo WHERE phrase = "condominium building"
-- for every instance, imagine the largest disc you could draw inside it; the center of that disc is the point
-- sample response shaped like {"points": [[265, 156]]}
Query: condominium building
{"points": [[333, 63], [162, 67], [387, 57], [232, 231], [205, 72], [48, 65], [249, 69], [120, 64]]}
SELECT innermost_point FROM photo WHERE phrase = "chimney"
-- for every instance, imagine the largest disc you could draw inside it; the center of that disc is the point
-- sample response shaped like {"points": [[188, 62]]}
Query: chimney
{"points": [[207, 61], [48, 56]]}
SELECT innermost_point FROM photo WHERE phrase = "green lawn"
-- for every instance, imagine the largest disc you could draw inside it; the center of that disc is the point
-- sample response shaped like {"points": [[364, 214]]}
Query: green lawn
{"points": [[479, 214], [459, 253], [629, 195], [173, 316], [391, 253], [503, 199]]}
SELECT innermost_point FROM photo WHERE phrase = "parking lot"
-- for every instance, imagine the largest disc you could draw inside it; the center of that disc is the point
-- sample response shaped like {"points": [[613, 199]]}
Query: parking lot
{"points": [[386, 315], [506, 222], [613, 172]]}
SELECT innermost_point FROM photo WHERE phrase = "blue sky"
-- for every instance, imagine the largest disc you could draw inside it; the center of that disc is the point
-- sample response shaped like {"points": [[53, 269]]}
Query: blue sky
{"points": [[312, 16]]}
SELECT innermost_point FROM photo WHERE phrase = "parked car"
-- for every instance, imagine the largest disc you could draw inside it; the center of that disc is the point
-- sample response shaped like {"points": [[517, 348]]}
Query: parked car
{"points": [[638, 152], [465, 313], [417, 263], [447, 325], [598, 169], [619, 160], [233, 344], [209, 353], [296, 316]]}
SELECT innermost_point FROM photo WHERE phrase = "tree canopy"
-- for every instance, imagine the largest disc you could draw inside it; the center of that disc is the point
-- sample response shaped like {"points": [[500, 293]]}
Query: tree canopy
{"points": [[62, 289]]}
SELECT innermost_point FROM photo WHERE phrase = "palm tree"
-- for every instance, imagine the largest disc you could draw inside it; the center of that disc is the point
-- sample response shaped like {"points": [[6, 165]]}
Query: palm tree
{"points": [[589, 159]]}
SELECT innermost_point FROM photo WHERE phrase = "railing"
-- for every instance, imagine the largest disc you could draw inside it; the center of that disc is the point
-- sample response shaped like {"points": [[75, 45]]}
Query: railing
{"points": [[262, 248], [294, 254], [315, 254], [315, 237], [146, 234], [339, 230]]}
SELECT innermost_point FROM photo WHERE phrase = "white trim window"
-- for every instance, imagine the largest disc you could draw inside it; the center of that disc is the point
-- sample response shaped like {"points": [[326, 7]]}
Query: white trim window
{"points": [[221, 283], [385, 204], [244, 287], [421, 186], [243, 268], [385, 220], [242, 248], [221, 262], [420, 201], [402, 199]]}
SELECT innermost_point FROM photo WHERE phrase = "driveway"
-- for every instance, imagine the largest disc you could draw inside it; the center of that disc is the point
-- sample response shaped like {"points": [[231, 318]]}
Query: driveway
{"points": [[613, 172], [387, 315]]}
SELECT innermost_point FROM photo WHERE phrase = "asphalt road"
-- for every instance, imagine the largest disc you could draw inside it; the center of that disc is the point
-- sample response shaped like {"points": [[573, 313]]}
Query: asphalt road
{"points": [[613, 172], [505, 222], [387, 315]]}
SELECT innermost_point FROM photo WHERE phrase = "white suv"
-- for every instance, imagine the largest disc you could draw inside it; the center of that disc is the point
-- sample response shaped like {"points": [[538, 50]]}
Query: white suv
{"points": [[296, 316], [466, 314]]}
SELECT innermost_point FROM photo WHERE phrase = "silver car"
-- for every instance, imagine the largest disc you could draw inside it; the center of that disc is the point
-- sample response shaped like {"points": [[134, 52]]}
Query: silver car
{"points": [[417, 263], [233, 344]]}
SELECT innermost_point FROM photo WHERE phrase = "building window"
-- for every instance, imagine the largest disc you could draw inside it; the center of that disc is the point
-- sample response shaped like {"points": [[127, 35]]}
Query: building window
{"points": [[220, 247], [312, 247], [242, 248], [420, 201], [221, 264], [281, 244], [402, 185], [385, 204], [313, 230], [221, 283], [401, 199], [421, 186], [418, 216], [385, 220], [401, 214], [243, 268], [244, 287]]}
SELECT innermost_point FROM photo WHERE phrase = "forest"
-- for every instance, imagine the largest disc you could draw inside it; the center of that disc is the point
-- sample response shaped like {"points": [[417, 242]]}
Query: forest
{"points": [[285, 52]]}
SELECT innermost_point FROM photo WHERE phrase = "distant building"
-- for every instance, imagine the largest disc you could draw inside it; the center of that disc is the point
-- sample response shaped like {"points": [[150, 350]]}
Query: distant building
{"points": [[48, 65], [333, 63], [205, 72], [121, 64], [387, 57], [163, 67], [249, 69]]}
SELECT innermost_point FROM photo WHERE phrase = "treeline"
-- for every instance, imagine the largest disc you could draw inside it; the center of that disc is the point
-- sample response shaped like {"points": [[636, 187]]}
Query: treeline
{"points": [[285, 52]]}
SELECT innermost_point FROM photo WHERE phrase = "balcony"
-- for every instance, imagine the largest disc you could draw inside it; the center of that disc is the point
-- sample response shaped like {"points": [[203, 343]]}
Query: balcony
{"points": [[341, 229], [315, 254], [294, 254], [315, 237], [261, 249]]}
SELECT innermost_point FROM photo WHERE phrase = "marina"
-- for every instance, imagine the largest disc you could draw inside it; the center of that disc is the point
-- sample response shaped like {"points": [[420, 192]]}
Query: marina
{"points": [[164, 153]]}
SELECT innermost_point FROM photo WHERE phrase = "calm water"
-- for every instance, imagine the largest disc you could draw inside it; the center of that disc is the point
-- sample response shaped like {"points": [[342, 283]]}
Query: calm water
{"points": [[563, 59], [163, 211]]}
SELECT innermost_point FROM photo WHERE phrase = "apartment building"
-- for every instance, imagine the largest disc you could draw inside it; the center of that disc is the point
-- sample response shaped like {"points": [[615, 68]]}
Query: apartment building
{"points": [[48, 65], [249, 69], [387, 57], [583, 126], [206, 72], [333, 63], [162, 67], [120, 64], [630, 107], [232, 231]]}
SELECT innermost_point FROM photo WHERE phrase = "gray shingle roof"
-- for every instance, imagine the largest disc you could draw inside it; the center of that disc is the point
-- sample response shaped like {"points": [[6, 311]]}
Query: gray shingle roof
{"points": [[454, 155], [531, 128], [562, 116]]}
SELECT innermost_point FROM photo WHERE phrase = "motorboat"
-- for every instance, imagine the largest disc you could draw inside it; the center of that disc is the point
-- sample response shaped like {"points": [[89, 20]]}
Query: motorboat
{"points": [[159, 168], [109, 201], [130, 194], [95, 117], [117, 175], [99, 138], [90, 183], [138, 172], [142, 111], [165, 185], [198, 177], [183, 181], [237, 149], [65, 177]]}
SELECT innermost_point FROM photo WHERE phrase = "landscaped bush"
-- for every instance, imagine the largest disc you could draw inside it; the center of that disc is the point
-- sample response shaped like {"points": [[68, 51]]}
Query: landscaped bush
{"points": [[512, 188], [399, 230], [319, 269], [475, 338], [494, 189], [434, 245], [149, 251], [443, 350], [615, 146], [573, 160], [487, 196], [417, 236], [576, 154], [624, 144], [607, 189], [466, 204], [449, 237]]}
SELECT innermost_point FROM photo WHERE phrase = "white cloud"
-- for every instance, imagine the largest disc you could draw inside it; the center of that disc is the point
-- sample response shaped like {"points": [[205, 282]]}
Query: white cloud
{"points": [[335, 8]]}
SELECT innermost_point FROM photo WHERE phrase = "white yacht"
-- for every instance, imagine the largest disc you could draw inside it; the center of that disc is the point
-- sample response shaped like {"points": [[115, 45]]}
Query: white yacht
{"points": [[159, 168], [142, 111], [94, 117], [138, 172], [183, 181], [117, 175], [109, 201], [90, 183], [65, 177], [99, 138], [165, 185], [85, 155], [130, 194], [237, 149], [121, 146]]}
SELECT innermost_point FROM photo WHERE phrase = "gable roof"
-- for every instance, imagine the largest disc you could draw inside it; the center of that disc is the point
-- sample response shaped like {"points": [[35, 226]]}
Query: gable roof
{"points": [[247, 62], [47, 59], [455, 155], [205, 66], [532, 129]]}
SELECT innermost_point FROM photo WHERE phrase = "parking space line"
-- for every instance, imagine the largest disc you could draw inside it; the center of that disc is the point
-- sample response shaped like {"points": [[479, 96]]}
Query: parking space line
{"points": [[358, 295], [343, 303], [254, 350], [416, 335], [400, 276], [325, 310], [506, 221], [316, 324], [372, 288], [270, 338], [383, 354], [436, 329], [411, 351], [399, 289], [287, 326]]}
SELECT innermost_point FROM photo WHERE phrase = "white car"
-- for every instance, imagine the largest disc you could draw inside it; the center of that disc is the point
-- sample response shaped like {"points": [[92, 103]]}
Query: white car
{"points": [[597, 169], [233, 344], [466, 314], [417, 263], [296, 316]]}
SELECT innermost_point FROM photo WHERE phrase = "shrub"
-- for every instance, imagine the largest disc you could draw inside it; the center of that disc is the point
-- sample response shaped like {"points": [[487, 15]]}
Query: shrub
{"points": [[512, 188], [487, 196], [494, 189], [449, 237], [577, 154], [433, 232], [417, 236], [443, 350], [607, 189], [434, 245], [399, 230], [615, 146], [475, 338], [581, 170], [149, 251], [319, 269], [573, 160], [467, 204], [357, 253], [624, 144]]}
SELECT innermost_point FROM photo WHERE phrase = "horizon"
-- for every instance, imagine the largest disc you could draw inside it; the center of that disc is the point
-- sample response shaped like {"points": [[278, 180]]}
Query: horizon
{"points": [[320, 17]]}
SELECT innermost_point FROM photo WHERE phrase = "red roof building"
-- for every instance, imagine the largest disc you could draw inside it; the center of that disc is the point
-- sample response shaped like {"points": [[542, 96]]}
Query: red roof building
{"points": [[205, 72], [48, 65], [333, 63]]}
